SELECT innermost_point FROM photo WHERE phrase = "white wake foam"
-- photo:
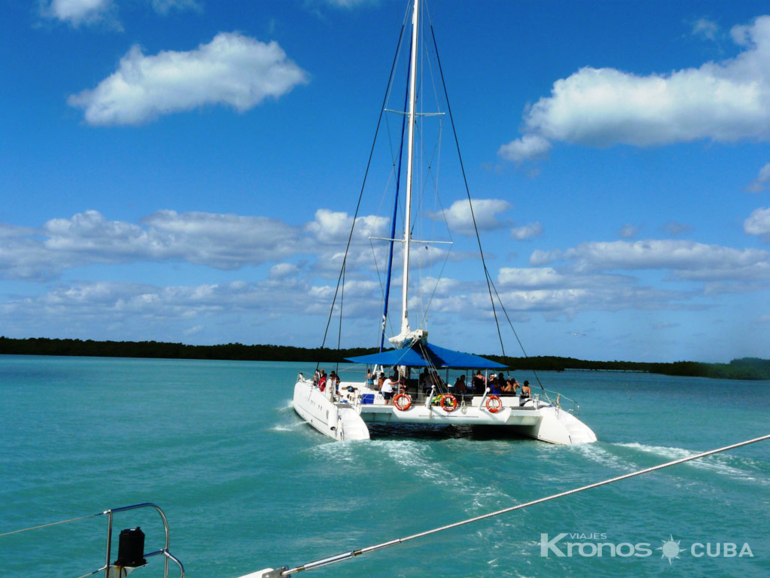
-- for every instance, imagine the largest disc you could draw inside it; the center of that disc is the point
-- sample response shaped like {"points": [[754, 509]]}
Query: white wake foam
{"points": [[717, 464]]}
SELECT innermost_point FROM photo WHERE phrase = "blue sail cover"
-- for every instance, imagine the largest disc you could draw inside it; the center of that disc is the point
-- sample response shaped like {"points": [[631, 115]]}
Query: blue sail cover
{"points": [[426, 355]]}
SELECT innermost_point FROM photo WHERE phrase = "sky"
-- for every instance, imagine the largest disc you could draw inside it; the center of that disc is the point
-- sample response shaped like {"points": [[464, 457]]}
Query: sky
{"points": [[189, 171]]}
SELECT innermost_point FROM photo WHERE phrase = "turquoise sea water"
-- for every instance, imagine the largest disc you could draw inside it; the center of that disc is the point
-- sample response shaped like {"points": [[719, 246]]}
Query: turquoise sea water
{"points": [[247, 485]]}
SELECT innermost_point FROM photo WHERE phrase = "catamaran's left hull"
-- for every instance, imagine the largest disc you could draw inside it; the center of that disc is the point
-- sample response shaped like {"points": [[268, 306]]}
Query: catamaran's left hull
{"points": [[339, 421]]}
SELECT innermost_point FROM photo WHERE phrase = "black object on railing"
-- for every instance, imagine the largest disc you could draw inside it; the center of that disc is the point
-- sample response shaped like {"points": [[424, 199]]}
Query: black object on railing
{"points": [[131, 548]]}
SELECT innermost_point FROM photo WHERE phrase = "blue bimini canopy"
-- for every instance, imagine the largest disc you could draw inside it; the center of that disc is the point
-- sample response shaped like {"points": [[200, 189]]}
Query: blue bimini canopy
{"points": [[425, 355]]}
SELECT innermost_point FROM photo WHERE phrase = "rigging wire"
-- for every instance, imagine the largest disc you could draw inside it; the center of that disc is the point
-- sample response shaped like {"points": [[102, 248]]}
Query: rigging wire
{"points": [[51, 524], [521, 345], [467, 189], [386, 298], [363, 186], [342, 299], [353, 553]]}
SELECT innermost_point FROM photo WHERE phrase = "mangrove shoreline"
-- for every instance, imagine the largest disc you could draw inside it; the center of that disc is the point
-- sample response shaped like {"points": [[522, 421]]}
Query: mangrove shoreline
{"points": [[745, 368]]}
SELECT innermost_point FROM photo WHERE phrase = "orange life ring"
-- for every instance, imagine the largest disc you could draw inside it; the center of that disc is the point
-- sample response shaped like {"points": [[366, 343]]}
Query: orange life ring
{"points": [[454, 403], [498, 406], [398, 406]]}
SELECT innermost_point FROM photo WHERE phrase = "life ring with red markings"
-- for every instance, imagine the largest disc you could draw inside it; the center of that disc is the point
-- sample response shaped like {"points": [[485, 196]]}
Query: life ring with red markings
{"points": [[402, 398], [498, 404], [448, 403]]}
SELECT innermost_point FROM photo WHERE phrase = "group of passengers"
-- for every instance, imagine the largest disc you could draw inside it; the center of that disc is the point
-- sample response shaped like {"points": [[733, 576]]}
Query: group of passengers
{"points": [[498, 385], [322, 380], [390, 385], [428, 380]]}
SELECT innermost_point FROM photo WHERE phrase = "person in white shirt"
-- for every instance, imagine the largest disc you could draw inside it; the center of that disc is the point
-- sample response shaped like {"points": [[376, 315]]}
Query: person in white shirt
{"points": [[387, 388]]}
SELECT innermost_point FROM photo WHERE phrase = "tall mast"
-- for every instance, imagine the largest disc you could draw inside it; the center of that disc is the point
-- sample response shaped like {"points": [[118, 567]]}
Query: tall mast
{"points": [[409, 167]]}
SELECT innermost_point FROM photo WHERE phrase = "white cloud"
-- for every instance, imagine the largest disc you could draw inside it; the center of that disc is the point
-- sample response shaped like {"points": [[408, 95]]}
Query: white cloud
{"points": [[529, 231], [232, 69], [723, 101], [531, 277], [77, 12], [758, 223], [215, 240], [333, 228], [193, 330], [675, 229], [166, 6], [551, 278], [762, 182], [705, 28], [459, 218], [527, 148], [220, 241], [628, 231], [340, 4], [177, 311], [350, 3], [283, 271], [685, 259]]}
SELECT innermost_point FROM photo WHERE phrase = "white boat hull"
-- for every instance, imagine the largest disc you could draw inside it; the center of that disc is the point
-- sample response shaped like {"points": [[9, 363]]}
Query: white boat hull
{"points": [[347, 418], [337, 420]]}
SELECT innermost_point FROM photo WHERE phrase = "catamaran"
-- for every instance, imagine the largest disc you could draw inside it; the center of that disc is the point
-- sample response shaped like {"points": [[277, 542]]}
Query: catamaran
{"points": [[421, 389]]}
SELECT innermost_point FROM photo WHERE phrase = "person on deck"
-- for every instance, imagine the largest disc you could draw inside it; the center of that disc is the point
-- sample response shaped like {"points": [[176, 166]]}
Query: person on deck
{"points": [[322, 380], [426, 382], [508, 387], [387, 388], [334, 382], [526, 393], [403, 386], [460, 386], [369, 379], [423, 379], [479, 383]]}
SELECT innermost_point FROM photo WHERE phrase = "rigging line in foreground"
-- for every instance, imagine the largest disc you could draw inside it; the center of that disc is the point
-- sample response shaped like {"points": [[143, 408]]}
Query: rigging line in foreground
{"points": [[467, 188], [340, 557], [363, 186], [51, 524]]}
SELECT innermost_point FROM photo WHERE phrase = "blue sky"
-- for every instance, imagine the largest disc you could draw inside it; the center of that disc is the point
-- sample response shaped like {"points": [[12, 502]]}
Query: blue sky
{"points": [[187, 170]]}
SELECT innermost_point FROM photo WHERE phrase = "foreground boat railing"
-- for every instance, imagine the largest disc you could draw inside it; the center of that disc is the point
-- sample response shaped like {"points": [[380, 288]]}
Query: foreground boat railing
{"points": [[162, 552], [111, 570], [286, 571]]}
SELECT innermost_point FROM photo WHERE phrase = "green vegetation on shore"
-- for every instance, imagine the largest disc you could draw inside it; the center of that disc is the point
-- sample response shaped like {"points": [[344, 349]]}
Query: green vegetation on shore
{"points": [[746, 368]]}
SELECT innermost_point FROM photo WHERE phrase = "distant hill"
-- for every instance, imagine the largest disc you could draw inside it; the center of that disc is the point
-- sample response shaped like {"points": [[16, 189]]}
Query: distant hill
{"points": [[745, 368]]}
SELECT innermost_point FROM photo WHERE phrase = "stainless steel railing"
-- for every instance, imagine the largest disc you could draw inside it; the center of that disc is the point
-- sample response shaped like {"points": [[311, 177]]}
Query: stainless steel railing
{"points": [[573, 406], [162, 552]]}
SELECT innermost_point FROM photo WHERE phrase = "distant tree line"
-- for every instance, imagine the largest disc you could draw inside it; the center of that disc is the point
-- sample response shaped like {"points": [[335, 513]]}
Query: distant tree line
{"points": [[160, 349], [745, 368]]}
